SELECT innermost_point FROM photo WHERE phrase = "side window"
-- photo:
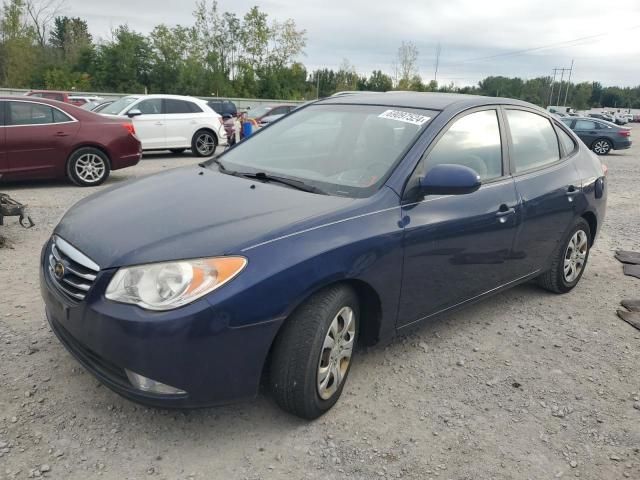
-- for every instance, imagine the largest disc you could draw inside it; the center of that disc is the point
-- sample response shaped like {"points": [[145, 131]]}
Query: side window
{"points": [[585, 125], [60, 117], [2, 107], [194, 108], [174, 107], [152, 106], [26, 113], [567, 121], [566, 141], [472, 141], [535, 143]]}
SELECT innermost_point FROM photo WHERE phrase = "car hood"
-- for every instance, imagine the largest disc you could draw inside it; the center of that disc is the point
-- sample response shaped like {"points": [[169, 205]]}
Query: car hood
{"points": [[188, 213]]}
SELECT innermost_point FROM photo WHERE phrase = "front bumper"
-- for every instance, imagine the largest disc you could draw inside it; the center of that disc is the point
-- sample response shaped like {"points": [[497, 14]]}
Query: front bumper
{"points": [[192, 348]]}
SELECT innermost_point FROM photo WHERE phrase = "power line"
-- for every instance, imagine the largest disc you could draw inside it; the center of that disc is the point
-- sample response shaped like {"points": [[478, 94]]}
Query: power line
{"points": [[533, 49]]}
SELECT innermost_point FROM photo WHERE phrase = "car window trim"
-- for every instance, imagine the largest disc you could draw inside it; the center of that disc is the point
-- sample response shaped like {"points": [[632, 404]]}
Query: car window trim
{"points": [[410, 179], [7, 115], [543, 114], [557, 125]]}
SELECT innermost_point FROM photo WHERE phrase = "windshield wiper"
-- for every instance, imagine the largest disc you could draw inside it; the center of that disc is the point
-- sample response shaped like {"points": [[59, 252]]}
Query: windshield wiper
{"points": [[297, 184]]}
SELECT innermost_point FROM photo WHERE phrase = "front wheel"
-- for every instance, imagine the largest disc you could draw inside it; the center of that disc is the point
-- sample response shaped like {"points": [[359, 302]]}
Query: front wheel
{"points": [[88, 167], [602, 146], [204, 143], [312, 354], [570, 260]]}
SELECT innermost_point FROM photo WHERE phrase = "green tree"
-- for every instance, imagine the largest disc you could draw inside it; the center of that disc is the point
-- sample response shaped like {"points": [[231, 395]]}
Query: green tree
{"points": [[379, 82]]}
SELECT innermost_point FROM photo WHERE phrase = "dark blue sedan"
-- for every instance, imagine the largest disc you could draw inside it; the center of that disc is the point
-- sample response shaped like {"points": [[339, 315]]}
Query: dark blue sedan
{"points": [[346, 222]]}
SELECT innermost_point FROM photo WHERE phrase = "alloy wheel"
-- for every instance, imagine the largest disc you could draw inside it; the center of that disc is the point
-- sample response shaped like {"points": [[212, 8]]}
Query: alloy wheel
{"points": [[575, 256], [601, 147], [336, 353], [205, 144], [90, 168]]}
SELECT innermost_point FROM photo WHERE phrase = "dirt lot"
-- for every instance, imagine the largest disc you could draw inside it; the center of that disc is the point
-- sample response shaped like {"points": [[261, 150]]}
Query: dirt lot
{"points": [[526, 385]]}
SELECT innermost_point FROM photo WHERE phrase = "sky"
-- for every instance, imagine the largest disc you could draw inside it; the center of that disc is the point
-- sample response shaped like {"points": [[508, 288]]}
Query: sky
{"points": [[478, 38]]}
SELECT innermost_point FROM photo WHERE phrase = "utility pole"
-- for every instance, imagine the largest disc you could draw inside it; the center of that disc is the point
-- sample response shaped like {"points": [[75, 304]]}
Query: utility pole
{"points": [[566, 94], [438, 50], [555, 71], [318, 86]]}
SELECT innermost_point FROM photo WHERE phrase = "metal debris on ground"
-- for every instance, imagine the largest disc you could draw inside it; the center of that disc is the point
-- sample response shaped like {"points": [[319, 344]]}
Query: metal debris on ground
{"points": [[632, 270], [10, 208], [632, 258]]}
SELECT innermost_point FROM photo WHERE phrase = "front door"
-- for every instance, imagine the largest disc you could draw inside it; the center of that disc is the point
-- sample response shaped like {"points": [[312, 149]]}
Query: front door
{"points": [[37, 139], [547, 184], [150, 125], [458, 247]]}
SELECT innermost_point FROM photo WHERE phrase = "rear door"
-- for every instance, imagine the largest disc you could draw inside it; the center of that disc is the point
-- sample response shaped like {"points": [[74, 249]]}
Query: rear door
{"points": [[4, 163], [181, 119], [547, 184], [150, 125], [38, 138]]}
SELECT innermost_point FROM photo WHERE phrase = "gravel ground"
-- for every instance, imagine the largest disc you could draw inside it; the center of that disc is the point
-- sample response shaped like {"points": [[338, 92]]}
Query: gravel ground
{"points": [[526, 385]]}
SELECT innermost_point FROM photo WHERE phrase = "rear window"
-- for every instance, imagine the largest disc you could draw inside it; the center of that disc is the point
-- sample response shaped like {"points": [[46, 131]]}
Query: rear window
{"points": [[535, 143], [568, 145]]}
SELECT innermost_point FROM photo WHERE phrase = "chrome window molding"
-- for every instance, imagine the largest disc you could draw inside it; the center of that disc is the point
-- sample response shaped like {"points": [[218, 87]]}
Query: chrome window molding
{"points": [[73, 119]]}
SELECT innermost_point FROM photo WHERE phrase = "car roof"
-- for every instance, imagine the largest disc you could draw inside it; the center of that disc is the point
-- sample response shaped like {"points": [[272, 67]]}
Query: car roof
{"points": [[425, 100], [26, 98]]}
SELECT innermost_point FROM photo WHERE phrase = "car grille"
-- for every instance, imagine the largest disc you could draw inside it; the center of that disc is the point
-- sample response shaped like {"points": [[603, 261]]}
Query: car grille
{"points": [[70, 271]]}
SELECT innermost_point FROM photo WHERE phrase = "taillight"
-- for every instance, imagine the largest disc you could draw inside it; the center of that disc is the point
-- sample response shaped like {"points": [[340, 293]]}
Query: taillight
{"points": [[624, 133], [605, 170], [130, 128]]}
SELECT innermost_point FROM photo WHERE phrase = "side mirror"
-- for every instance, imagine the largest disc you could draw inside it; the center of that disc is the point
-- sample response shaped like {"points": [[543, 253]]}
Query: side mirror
{"points": [[449, 179], [134, 112]]}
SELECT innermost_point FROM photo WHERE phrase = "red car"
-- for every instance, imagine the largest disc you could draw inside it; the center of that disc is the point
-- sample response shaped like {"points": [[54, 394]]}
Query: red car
{"points": [[42, 138]]}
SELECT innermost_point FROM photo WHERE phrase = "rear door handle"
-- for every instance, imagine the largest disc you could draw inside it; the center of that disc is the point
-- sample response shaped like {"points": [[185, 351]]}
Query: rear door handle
{"points": [[62, 134]]}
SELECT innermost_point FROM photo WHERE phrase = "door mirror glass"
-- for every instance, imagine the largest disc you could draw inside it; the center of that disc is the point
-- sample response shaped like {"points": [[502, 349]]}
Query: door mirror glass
{"points": [[134, 112], [449, 179]]}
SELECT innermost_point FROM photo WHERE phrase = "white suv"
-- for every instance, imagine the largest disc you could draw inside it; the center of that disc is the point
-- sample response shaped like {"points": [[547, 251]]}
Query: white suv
{"points": [[172, 122]]}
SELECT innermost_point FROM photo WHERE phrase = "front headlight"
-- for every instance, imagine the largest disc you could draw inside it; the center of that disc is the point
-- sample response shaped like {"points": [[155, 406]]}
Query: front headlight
{"points": [[165, 286]]}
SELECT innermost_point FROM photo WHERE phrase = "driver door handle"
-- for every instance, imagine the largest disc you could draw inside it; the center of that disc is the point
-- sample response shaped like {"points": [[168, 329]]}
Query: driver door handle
{"points": [[62, 134], [505, 212]]}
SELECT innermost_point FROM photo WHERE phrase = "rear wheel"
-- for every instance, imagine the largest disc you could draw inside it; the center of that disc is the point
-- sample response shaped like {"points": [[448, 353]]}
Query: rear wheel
{"points": [[204, 143], [602, 146], [570, 260], [312, 354], [177, 151], [88, 167]]}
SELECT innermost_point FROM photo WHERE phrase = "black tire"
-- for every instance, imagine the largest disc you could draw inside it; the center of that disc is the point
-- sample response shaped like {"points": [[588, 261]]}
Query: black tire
{"points": [[202, 138], [602, 146], [555, 279], [178, 151], [88, 167], [296, 360]]}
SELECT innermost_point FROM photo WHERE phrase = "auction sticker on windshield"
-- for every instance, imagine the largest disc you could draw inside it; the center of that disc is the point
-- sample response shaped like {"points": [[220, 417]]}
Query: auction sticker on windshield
{"points": [[405, 117]]}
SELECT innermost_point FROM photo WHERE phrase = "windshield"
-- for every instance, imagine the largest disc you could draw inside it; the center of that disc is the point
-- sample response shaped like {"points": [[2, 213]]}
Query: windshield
{"points": [[259, 111], [346, 150], [118, 106]]}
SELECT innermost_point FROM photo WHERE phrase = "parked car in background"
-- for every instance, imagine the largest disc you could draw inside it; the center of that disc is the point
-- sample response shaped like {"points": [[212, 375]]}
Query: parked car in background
{"points": [[223, 107], [259, 113], [50, 94], [351, 220], [101, 106], [49, 139], [264, 121], [599, 135], [602, 116], [172, 122], [628, 117], [81, 100]]}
